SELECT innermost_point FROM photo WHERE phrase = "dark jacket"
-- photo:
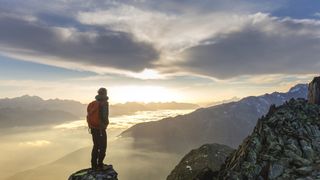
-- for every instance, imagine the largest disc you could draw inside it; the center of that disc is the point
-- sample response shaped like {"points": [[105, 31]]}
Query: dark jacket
{"points": [[104, 111]]}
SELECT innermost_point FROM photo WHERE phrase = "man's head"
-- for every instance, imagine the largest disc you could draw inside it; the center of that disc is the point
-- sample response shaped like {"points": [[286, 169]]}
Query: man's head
{"points": [[102, 91]]}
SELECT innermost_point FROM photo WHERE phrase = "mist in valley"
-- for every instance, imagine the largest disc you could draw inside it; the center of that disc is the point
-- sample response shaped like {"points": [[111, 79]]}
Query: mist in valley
{"points": [[56, 151]]}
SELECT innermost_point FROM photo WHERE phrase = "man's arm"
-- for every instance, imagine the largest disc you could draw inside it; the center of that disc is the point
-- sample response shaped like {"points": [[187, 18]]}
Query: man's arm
{"points": [[107, 114], [104, 114]]}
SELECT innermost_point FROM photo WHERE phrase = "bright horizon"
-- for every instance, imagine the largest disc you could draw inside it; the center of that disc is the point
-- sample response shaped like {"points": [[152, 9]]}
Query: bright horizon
{"points": [[146, 95]]}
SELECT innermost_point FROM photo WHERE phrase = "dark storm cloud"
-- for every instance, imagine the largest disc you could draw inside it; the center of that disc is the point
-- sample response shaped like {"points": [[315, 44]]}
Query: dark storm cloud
{"points": [[207, 6], [289, 47], [107, 49]]}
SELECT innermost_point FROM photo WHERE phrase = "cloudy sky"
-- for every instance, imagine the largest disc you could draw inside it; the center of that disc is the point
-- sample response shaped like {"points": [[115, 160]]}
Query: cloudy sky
{"points": [[150, 50]]}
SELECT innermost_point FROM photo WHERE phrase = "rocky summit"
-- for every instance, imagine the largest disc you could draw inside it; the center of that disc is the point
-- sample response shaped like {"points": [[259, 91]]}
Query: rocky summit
{"points": [[107, 173], [201, 163], [285, 144]]}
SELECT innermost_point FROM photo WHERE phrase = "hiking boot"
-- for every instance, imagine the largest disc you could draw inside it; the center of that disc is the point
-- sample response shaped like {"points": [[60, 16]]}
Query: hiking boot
{"points": [[102, 166], [94, 167]]}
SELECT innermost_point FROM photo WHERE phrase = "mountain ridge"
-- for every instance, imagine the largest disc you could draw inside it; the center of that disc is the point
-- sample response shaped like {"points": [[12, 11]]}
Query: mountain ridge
{"points": [[225, 124], [29, 110]]}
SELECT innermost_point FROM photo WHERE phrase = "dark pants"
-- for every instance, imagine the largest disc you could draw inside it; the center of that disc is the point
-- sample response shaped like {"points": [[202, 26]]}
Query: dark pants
{"points": [[99, 137]]}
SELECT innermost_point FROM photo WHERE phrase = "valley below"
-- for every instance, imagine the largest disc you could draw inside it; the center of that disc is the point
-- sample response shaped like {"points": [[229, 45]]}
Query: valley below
{"points": [[35, 152]]}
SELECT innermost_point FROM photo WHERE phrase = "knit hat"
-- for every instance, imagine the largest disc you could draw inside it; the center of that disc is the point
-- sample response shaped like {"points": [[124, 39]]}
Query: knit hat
{"points": [[102, 91]]}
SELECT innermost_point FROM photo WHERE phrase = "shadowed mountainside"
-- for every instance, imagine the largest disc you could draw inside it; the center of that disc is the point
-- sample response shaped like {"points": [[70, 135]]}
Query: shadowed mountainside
{"points": [[200, 162], [226, 124]]}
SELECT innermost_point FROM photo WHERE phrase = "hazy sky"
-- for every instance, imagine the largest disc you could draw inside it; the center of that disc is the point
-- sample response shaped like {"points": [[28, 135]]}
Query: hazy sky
{"points": [[151, 50]]}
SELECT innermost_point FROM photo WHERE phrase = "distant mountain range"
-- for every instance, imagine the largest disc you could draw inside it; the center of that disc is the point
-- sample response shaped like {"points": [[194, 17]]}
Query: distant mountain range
{"points": [[132, 107], [33, 110], [36, 103], [12, 117], [227, 123]]}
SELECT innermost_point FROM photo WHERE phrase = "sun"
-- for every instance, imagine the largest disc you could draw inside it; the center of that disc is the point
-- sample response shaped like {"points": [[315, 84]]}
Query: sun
{"points": [[142, 94], [147, 74]]}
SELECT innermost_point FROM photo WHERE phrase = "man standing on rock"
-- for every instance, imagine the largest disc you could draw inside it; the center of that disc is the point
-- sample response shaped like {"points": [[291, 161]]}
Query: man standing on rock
{"points": [[98, 121]]}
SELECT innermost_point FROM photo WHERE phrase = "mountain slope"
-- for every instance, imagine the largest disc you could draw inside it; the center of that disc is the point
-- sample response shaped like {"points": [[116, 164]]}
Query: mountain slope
{"points": [[225, 124]]}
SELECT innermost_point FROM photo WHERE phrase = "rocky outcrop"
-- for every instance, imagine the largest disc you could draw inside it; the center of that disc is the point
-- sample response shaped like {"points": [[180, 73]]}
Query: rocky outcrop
{"points": [[107, 173], [314, 91], [201, 163], [285, 144]]}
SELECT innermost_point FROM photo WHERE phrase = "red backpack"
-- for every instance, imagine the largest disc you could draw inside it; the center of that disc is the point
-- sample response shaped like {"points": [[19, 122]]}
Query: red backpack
{"points": [[93, 116]]}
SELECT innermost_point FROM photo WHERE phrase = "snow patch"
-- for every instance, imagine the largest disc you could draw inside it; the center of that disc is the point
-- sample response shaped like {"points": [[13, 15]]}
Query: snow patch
{"points": [[295, 89], [189, 168]]}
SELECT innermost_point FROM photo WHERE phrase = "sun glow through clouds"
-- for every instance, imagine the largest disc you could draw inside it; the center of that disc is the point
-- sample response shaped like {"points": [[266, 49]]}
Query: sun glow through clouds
{"points": [[143, 94], [147, 74]]}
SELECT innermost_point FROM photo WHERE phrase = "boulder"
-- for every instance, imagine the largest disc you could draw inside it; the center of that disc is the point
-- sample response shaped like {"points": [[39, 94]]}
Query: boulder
{"points": [[106, 173], [201, 163]]}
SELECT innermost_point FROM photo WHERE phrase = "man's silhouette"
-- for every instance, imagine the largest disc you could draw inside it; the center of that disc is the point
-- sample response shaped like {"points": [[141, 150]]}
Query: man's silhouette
{"points": [[97, 118]]}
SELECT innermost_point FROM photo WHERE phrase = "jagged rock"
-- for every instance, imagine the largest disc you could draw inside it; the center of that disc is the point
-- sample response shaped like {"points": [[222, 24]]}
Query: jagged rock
{"points": [[304, 170], [284, 145], [314, 91], [275, 170], [107, 173], [201, 163]]}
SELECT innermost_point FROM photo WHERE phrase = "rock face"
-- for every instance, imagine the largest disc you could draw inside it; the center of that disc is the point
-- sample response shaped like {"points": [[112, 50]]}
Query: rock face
{"points": [[107, 173], [201, 163], [285, 144], [314, 91]]}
